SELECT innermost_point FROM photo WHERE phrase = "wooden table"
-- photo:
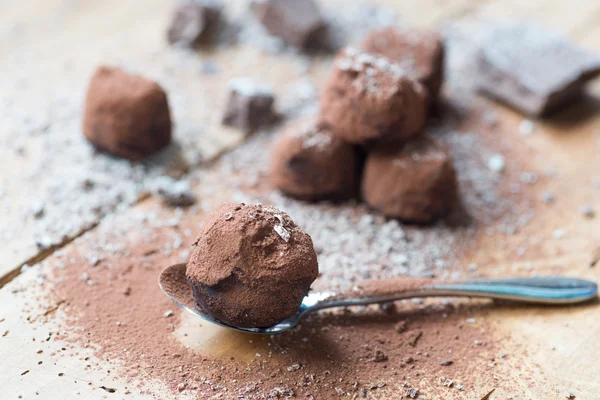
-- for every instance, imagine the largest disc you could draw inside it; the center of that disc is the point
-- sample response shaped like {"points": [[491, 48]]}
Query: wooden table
{"points": [[54, 45]]}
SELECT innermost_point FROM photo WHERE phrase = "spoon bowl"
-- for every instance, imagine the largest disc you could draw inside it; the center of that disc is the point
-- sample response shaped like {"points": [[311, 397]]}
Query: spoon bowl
{"points": [[539, 290]]}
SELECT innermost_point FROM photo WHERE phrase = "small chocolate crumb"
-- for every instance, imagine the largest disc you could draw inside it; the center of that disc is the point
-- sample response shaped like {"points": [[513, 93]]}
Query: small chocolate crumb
{"points": [[379, 356], [587, 211], [415, 338], [108, 389], [401, 326]]}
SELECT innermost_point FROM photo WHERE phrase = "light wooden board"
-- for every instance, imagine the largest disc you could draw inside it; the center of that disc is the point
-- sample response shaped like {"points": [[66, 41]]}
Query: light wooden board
{"points": [[554, 349]]}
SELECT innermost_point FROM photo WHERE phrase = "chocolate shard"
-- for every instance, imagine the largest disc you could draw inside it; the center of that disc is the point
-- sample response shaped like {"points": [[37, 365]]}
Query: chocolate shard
{"points": [[192, 23], [249, 105], [296, 22], [532, 69]]}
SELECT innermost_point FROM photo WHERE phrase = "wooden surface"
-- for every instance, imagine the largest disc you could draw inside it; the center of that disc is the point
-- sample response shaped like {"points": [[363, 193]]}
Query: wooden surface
{"points": [[54, 47]]}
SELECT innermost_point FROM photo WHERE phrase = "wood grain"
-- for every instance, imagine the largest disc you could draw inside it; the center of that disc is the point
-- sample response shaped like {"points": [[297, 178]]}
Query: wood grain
{"points": [[55, 45]]}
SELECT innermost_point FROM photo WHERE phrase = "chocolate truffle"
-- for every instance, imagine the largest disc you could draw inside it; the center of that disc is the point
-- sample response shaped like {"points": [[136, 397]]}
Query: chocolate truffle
{"points": [[126, 115], [249, 105], [297, 22], [370, 99], [414, 184], [419, 52], [251, 266], [308, 163], [532, 69], [192, 22]]}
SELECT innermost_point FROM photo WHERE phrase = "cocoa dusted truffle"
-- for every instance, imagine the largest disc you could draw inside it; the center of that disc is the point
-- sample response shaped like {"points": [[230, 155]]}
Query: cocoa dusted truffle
{"points": [[126, 115], [369, 99], [308, 163], [420, 52], [193, 22], [251, 266], [414, 184], [297, 22], [532, 69], [249, 105]]}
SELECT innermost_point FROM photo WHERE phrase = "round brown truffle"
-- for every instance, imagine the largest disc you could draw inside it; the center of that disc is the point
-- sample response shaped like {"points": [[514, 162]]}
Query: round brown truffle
{"points": [[370, 99], [308, 163], [126, 115], [419, 52], [414, 184], [251, 266]]}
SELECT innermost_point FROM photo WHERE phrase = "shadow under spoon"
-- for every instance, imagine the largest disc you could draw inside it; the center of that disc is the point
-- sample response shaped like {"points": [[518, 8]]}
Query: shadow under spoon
{"points": [[539, 290]]}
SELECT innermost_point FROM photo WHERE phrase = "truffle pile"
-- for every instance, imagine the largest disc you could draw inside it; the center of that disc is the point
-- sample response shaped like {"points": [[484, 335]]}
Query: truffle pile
{"points": [[375, 102]]}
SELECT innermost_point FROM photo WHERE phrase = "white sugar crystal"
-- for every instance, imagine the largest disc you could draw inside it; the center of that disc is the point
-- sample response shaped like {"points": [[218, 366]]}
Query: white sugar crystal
{"points": [[496, 163], [248, 87], [526, 127], [281, 231]]}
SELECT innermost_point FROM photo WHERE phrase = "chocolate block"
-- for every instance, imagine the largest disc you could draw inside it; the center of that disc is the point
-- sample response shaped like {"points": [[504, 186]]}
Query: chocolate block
{"points": [[308, 163], [126, 115], [420, 52], [369, 99], [297, 22], [414, 184], [249, 105], [192, 22], [532, 69]]}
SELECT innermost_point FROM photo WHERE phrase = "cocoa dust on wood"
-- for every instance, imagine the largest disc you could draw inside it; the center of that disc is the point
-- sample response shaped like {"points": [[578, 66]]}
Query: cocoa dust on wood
{"points": [[121, 312]]}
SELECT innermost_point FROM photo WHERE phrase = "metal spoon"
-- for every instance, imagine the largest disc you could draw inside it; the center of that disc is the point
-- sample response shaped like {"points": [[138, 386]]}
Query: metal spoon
{"points": [[540, 290]]}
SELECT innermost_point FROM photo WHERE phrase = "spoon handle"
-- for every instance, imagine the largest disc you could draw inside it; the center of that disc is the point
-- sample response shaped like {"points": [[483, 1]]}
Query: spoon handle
{"points": [[548, 290], [542, 290]]}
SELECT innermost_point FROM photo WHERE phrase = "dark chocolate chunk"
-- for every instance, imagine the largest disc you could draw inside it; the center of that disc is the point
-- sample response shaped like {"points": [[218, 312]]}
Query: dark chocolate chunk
{"points": [[192, 22], [249, 105], [297, 22], [532, 69], [126, 115]]}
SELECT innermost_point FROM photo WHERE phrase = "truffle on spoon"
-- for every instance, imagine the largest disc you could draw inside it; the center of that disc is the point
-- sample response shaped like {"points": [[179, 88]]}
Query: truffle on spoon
{"points": [[251, 266]]}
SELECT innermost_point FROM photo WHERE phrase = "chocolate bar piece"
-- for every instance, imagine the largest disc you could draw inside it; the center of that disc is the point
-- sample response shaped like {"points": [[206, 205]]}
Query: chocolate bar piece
{"points": [[192, 23], [249, 105], [532, 69], [297, 22]]}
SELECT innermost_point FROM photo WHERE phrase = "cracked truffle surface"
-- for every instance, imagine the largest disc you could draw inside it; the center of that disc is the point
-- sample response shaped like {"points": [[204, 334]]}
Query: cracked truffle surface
{"points": [[370, 99], [251, 266], [415, 184], [126, 115], [307, 162], [419, 52]]}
